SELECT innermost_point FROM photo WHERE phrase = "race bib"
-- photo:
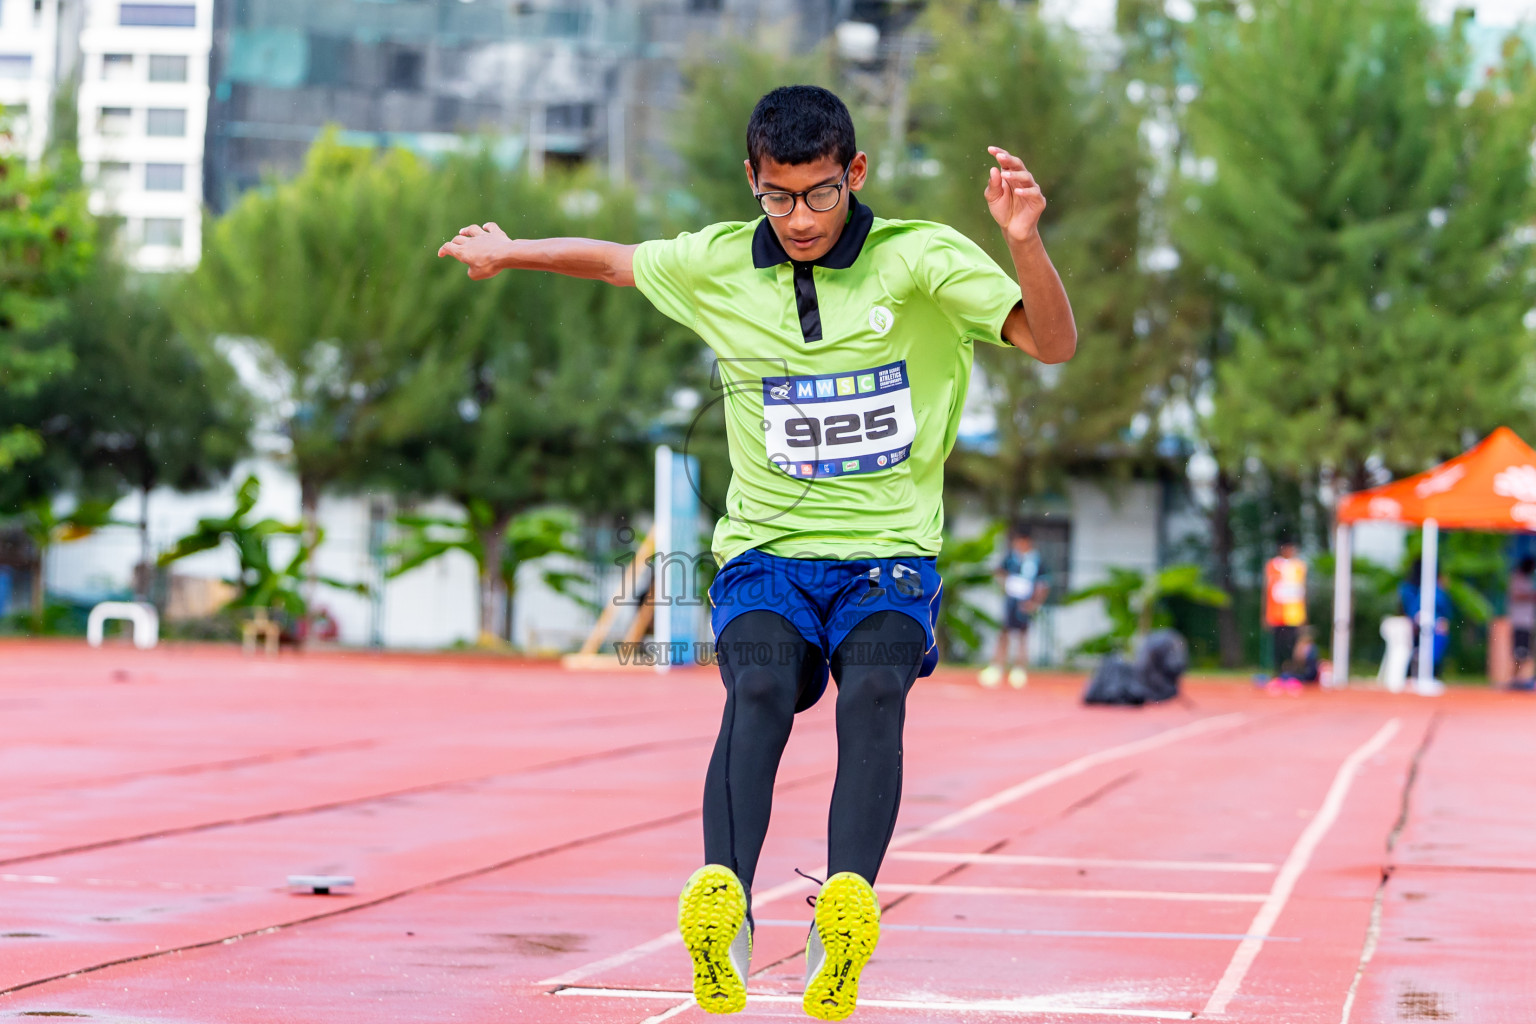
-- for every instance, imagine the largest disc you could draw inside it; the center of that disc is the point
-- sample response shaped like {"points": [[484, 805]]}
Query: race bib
{"points": [[839, 424], [1019, 588]]}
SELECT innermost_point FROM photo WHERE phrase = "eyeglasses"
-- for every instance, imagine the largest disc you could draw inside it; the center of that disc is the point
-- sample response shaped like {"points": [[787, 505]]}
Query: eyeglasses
{"points": [[821, 198]]}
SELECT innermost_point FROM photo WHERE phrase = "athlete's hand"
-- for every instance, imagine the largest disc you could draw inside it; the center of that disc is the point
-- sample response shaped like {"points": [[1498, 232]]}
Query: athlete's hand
{"points": [[1014, 197], [478, 247]]}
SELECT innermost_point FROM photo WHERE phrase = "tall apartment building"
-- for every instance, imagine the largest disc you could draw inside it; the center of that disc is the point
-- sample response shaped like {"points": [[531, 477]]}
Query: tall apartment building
{"points": [[38, 48], [143, 102]]}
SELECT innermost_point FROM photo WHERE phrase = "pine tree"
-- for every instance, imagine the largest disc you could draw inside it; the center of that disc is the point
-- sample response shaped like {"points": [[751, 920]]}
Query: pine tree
{"points": [[1367, 233], [1157, 51], [1009, 78]]}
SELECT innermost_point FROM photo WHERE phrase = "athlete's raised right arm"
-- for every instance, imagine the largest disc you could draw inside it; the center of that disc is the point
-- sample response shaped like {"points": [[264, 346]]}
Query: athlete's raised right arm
{"points": [[486, 250]]}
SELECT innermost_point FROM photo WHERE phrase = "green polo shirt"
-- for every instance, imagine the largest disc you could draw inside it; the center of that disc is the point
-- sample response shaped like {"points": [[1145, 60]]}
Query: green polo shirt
{"points": [[843, 379]]}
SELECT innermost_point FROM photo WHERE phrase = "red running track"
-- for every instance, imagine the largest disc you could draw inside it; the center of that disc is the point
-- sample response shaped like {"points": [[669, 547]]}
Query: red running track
{"points": [[518, 835]]}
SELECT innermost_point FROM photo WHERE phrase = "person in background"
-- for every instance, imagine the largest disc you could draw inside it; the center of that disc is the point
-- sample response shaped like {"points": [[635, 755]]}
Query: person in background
{"points": [[1408, 595], [1025, 586], [1285, 601], [1298, 666], [1303, 664], [1522, 621]]}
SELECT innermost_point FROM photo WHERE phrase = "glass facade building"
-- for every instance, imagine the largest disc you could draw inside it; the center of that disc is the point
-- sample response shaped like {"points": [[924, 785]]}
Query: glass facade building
{"points": [[547, 80]]}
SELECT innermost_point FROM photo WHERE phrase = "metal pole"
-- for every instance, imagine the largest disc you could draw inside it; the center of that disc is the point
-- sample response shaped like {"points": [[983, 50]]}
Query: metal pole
{"points": [[1343, 601], [378, 538], [1427, 579], [661, 624]]}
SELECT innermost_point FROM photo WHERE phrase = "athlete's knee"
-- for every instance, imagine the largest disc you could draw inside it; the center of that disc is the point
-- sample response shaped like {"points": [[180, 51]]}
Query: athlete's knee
{"points": [[764, 688], [874, 686]]}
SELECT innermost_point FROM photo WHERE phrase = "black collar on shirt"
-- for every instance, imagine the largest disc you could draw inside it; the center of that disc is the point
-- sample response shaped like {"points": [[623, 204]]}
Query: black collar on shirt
{"points": [[768, 251]]}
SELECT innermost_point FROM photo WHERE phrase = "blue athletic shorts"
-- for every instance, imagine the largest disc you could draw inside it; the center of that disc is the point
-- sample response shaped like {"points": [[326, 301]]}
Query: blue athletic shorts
{"points": [[824, 599]]}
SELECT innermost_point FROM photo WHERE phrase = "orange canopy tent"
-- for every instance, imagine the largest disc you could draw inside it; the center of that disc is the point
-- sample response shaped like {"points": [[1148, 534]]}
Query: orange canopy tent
{"points": [[1490, 487]]}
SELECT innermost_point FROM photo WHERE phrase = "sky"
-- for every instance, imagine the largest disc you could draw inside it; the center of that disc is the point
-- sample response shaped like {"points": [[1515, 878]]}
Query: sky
{"points": [[1100, 14]]}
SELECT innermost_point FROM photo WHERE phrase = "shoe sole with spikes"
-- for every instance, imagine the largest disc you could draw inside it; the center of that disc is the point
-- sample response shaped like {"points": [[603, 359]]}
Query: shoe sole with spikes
{"points": [[847, 928], [711, 914]]}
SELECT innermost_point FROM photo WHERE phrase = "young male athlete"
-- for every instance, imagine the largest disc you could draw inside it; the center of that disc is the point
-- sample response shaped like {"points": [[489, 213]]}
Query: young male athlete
{"points": [[844, 345]]}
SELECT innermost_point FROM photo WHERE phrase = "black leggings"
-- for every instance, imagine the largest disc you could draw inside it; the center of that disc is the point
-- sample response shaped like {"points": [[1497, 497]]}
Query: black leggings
{"points": [[769, 670]]}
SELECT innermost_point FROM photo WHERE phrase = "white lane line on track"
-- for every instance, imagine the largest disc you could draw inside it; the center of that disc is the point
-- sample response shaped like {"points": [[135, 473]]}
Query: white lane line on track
{"points": [[120, 883], [668, 1014], [986, 805], [1074, 767], [943, 857], [1056, 933], [1295, 864], [1084, 894], [1030, 1005]]}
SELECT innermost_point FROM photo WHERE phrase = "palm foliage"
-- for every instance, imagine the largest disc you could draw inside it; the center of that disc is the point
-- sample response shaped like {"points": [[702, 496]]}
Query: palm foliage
{"points": [[262, 581], [966, 565], [1134, 601], [526, 538]]}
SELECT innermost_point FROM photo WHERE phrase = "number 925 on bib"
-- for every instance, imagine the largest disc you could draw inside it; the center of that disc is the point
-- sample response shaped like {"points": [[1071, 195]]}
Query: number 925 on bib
{"points": [[838, 424]]}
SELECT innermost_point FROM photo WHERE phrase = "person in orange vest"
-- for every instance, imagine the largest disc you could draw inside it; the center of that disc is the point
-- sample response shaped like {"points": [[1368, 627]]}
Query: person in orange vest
{"points": [[1285, 603]]}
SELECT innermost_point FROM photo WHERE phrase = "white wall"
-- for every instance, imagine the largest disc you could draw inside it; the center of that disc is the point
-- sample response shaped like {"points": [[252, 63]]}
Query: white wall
{"points": [[105, 560], [437, 605], [1503, 13], [543, 620], [1114, 525], [433, 606]]}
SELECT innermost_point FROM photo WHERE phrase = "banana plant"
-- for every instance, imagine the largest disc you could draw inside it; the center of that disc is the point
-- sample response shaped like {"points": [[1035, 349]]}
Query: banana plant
{"points": [[46, 528], [261, 582], [966, 565], [527, 537], [1134, 602]]}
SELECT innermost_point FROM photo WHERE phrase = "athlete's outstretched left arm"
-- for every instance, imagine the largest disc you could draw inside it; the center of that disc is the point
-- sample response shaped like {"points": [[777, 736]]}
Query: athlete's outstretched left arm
{"points": [[1043, 325]]}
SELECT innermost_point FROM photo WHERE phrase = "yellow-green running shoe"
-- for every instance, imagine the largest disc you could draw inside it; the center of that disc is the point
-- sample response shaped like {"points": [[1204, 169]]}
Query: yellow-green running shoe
{"points": [[841, 943], [712, 915]]}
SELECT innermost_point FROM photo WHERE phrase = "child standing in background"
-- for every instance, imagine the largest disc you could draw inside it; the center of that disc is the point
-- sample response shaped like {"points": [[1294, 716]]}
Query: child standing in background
{"points": [[1025, 587]]}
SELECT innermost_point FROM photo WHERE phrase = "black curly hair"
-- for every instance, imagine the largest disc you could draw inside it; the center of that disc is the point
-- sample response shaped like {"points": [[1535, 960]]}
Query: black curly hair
{"points": [[800, 124]]}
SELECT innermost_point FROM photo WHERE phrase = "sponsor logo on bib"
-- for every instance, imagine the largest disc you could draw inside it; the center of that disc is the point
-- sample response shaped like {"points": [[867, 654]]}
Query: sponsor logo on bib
{"points": [[850, 422], [880, 319]]}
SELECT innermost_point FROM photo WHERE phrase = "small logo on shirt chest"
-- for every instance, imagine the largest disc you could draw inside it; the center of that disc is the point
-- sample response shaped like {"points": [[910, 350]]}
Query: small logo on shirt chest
{"points": [[881, 319]]}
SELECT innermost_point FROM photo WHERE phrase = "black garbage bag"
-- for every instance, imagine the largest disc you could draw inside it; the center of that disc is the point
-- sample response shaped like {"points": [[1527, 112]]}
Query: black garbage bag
{"points": [[1161, 663], [1115, 682], [1155, 676]]}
